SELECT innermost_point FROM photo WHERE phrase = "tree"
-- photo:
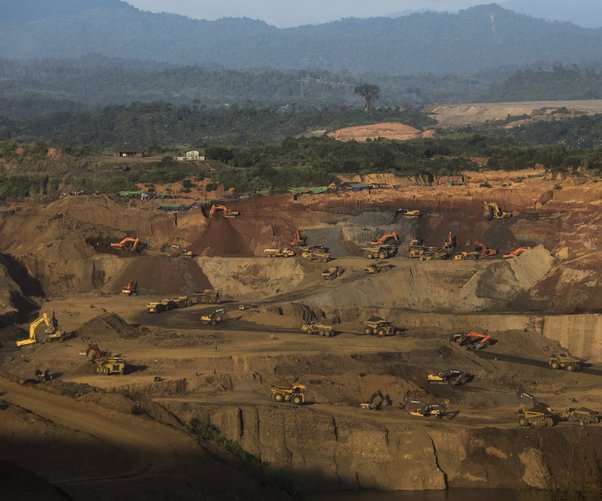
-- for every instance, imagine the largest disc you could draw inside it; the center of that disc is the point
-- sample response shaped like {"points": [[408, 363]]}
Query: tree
{"points": [[370, 93]]}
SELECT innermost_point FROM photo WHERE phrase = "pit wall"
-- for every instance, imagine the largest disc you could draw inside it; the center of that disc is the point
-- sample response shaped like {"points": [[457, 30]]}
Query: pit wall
{"points": [[325, 452], [580, 334]]}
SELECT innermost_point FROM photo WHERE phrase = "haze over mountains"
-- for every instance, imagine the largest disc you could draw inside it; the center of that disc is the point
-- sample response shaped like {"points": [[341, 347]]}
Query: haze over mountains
{"points": [[475, 39]]}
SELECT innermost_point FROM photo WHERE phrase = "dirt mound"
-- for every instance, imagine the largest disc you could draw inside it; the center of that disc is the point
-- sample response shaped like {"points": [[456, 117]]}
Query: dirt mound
{"points": [[221, 239], [386, 130], [162, 275], [108, 326], [15, 283]]}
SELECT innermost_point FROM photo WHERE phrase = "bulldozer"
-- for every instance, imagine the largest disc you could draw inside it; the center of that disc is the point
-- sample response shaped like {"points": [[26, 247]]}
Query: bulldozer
{"points": [[378, 267], [332, 273], [298, 239], [473, 340], [380, 251], [52, 331], [565, 361], [279, 253], [516, 252], [371, 405], [453, 377], [213, 318], [379, 327], [106, 364], [294, 394], [483, 249], [128, 243], [387, 239], [222, 209], [318, 329], [534, 414], [174, 251], [130, 289], [491, 210]]}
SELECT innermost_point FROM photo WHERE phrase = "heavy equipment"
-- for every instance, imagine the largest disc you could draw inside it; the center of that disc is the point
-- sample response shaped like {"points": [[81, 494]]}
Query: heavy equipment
{"points": [[106, 363], [128, 243], [491, 210], [316, 255], [52, 331], [298, 239], [371, 405], [294, 394], [581, 415], [332, 273], [453, 377], [380, 251], [279, 253], [464, 255], [450, 242], [409, 213], [533, 413], [473, 340], [207, 296], [379, 327], [516, 252], [222, 209], [174, 250], [565, 361], [318, 329], [130, 289], [378, 267], [483, 249], [213, 318], [161, 306], [421, 409], [387, 239]]}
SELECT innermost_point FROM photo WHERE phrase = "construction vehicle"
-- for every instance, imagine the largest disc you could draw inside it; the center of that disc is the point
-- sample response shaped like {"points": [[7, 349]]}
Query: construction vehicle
{"points": [[464, 255], [534, 414], [565, 361], [332, 273], [161, 306], [222, 209], [317, 329], [130, 289], [582, 415], [387, 239], [298, 239], [52, 331], [294, 394], [473, 340], [421, 409], [371, 405], [450, 242], [279, 253], [491, 210], [207, 296], [417, 250], [380, 251], [128, 243], [452, 377], [379, 327], [483, 249], [316, 255], [516, 252], [173, 250], [378, 267], [409, 213], [213, 318], [106, 363]]}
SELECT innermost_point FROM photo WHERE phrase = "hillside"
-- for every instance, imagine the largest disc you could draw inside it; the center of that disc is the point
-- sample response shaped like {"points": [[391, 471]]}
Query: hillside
{"points": [[474, 39]]}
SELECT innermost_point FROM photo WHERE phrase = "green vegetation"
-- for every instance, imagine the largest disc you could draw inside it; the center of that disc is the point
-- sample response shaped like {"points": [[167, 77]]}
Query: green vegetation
{"points": [[258, 469]]}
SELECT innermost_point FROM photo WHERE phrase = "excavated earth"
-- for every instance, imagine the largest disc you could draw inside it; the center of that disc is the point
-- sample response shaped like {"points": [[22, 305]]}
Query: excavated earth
{"points": [[180, 372]]}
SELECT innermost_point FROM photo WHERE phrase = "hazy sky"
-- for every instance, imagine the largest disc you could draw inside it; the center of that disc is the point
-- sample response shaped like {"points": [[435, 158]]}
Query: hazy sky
{"points": [[296, 12]]}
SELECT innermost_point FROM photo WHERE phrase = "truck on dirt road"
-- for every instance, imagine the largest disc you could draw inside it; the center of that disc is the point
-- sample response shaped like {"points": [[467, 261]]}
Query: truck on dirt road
{"points": [[279, 253]]}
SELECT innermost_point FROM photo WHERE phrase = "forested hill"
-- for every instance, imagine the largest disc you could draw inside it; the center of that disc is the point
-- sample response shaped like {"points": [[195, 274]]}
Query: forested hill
{"points": [[472, 40]]}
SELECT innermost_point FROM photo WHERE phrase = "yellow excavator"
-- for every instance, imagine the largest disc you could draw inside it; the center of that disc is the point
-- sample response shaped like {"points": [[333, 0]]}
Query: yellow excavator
{"points": [[51, 331], [491, 210]]}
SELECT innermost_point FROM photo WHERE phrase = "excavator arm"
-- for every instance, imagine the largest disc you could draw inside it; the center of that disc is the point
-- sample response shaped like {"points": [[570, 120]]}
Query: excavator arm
{"points": [[51, 329]]}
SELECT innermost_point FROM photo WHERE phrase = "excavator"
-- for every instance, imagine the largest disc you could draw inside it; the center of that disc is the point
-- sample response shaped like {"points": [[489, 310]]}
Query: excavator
{"points": [[131, 243], [371, 405], [213, 318], [52, 330], [516, 252], [491, 210], [386, 239], [483, 249], [473, 340], [450, 242], [298, 239], [130, 289], [227, 213]]}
